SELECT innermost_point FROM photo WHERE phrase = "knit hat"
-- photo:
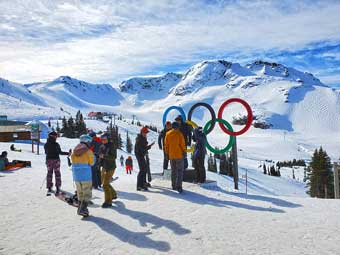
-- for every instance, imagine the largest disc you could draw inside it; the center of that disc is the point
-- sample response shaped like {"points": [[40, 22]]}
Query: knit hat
{"points": [[144, 130], [85, 139]]}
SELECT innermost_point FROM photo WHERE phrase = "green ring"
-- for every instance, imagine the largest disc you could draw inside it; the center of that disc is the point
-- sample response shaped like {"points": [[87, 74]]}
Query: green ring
{"points": [[231, 138]]}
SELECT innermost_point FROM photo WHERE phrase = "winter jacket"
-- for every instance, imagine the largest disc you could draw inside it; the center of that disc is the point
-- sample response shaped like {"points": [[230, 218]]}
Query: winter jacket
{"points": [[110, 154], [128, 162], [53, 150], [200, 138], [95, 145], [82, 160], [174, 144], [4, 161], [141, 146], [161, 138]]}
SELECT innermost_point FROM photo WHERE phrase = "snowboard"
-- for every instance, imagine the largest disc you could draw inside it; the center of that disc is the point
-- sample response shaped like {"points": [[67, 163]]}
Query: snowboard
{"points": [[67, 199]]}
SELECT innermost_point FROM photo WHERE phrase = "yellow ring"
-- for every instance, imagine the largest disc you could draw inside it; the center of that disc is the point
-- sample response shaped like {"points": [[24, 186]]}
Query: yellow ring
{"points": [[194, 125]]}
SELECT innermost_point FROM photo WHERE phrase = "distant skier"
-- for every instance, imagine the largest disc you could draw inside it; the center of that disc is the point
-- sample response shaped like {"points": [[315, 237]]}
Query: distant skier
{"points": [[107, 156], [161, 139], [95, 147], [175, 148], [82, 160], [129, 165], [52, 151], [121, 160], [141, 149], [199, 154]]}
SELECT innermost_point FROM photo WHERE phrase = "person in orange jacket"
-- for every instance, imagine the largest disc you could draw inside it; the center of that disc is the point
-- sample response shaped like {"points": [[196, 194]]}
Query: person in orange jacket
{"points": [[174, 146]]}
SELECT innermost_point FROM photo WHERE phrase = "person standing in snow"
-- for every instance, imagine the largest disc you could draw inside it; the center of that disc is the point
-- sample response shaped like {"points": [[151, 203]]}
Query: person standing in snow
{"points": [[95, 146], [52, 151], [141, 149], [199, 154], [107, 156], [82, 160], [128, 165], [161, 139], [175, 149], [121, 160], [186, 130]]}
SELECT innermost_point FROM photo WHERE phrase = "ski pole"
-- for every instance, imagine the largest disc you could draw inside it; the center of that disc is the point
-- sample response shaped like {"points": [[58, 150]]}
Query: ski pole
{"points": [[43, 183]]}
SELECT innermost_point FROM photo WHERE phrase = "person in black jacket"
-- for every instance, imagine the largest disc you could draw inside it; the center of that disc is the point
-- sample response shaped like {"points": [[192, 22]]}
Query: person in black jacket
{"points": [[141, 149], [187, 133], [52, 151], [199, 155], [161, 139]]}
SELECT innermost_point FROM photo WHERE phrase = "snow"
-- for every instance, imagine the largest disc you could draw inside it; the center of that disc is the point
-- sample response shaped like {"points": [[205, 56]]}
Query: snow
{"points": [[203, 220]]}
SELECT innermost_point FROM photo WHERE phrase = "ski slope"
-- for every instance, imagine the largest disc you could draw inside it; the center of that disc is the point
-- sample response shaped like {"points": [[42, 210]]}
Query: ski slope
{"points": [[202, 220]]}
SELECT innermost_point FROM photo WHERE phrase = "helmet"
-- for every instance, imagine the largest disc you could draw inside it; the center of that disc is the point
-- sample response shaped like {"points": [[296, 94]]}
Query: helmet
{"points": [[53, 134], [144, 130], [85, 139]]}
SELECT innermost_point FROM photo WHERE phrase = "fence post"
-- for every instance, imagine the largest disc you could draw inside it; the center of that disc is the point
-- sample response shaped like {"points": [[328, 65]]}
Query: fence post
{"points": [[336, 181]]}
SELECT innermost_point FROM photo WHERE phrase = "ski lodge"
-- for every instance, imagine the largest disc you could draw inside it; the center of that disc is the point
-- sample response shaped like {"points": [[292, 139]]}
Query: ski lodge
{"points": [[13, 130]]}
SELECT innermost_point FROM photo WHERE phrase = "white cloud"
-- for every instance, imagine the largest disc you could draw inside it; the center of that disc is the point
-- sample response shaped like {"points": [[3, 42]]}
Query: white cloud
{"points": [[102, 41]]}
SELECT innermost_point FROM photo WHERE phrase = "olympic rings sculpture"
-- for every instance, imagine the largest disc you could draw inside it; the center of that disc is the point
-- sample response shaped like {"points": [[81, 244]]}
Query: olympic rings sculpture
{"points": [[210, 125]]}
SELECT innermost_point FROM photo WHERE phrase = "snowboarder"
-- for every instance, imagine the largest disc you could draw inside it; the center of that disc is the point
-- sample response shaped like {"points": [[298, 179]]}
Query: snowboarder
{"points": [[161, 138], [15, 149], [141, 148], [199, 154], [6, 165], [82, 160], [186, 130], [175, 149], [107, 156], [52, 151], [95, 146], [128, 165], [121, 160]]}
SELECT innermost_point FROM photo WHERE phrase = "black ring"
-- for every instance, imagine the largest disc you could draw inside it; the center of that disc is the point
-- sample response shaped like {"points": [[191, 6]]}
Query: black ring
{"points": [[210, 109]]}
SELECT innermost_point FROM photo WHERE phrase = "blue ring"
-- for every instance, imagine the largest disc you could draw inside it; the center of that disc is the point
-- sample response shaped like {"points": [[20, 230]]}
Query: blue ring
{"points": [[180, 109]]}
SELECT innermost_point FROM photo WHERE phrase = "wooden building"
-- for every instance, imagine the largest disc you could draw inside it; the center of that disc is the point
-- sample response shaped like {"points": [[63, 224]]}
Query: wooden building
{"points": [[13, 130]]}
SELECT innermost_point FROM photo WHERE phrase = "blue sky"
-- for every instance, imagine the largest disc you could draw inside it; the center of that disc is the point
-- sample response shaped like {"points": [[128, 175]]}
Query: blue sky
{"points": [[108, 41]]}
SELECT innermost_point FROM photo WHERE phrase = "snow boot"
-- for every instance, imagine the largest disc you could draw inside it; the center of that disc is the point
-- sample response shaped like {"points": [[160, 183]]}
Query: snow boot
{"points": [[57, 191], [82, 209], [106, 205]]}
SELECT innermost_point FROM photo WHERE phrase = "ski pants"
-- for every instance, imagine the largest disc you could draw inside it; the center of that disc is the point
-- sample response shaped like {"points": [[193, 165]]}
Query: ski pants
{"points": [[200, 169], [84, 191], [141, 178], [109, 191], [177, 168], [128, 169], [165, 161], [53, 165], [96, 176]]}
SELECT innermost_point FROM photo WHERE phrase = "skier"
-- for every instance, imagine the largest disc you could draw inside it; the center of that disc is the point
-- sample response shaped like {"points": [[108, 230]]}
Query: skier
{"points": [[82, 160], [141, 148], [95, 146], [107, 156], [175, 149], [52, 151], [128, 165], [161, 138], [199, 154], [186, 130], [121, 160]]}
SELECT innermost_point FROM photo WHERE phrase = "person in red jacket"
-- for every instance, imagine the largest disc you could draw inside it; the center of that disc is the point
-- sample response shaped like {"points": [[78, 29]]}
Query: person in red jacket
{"points": [[128, 165]]}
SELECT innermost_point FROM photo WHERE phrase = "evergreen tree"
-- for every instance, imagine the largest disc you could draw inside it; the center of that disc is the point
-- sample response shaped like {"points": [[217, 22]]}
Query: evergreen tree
{"points": [[320, 175], [64, 125], [58, 128], [128, 143], [211, 163]]}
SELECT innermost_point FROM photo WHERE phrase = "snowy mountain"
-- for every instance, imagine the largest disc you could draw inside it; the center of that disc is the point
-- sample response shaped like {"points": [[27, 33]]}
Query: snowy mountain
{"points": [[283, 98]]}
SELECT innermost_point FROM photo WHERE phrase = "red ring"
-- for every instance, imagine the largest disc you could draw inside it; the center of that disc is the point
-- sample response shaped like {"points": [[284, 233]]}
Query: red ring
{"points": [[249, 117]]}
